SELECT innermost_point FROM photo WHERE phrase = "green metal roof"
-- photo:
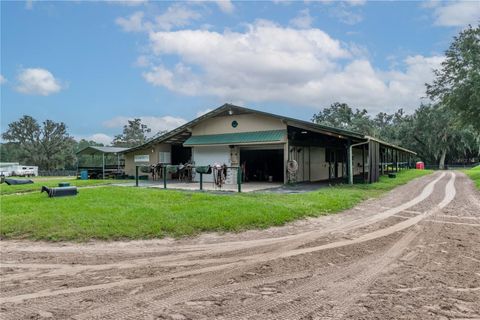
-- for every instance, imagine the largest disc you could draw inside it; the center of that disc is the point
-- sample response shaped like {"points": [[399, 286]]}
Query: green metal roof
{"points": [[237, 138]]}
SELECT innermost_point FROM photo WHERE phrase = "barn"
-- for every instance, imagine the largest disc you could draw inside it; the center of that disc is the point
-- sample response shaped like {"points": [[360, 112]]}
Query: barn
{"points": [[264, 144]]}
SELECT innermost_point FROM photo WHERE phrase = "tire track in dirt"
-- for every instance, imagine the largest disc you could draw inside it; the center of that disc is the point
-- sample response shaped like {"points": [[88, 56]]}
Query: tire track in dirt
{"points": [[189, 293], [295, 309], [432, 281], [349, 292], [344, 293], [427, 191], [62, 269], [155, 300], [214, 285]]}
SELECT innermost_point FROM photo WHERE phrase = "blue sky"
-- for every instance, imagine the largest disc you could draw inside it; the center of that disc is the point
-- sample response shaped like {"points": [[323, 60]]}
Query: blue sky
{"points": [[93, 65]]}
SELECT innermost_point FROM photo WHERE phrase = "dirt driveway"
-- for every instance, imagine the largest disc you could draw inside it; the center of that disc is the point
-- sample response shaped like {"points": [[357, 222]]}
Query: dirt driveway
{"points": [[413, 254]]}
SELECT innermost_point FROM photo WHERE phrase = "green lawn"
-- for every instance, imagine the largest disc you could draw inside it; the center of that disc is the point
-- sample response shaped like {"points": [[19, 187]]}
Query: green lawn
{"points": [[138, 213], [49, 182], [474, 174]]}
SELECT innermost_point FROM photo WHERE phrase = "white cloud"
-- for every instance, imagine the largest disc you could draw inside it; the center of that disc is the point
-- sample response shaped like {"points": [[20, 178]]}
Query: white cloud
{"points": [[129, 3], [225, 5], [346, 15], [134, 23], [359, 84], [159, 76], [37, 81], [267, 62], [303, 20], [142, 61], [175, 16], [29, 4], [2, 79], [412, 80], [430, 3], [202, 112], [98, 137], [356, 2], [155, 123], [457, 13]]}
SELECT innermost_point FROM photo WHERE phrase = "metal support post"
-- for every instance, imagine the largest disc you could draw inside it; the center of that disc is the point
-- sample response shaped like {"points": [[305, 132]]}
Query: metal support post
{"points": [[239, 179], [363, 163], [165, 177], [350, 171], [136, 176], [396, 160], [349, 159], [103, 166]]}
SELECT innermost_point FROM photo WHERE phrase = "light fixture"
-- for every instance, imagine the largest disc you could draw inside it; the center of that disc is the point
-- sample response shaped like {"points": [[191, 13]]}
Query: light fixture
{"points": [[304, 132]]}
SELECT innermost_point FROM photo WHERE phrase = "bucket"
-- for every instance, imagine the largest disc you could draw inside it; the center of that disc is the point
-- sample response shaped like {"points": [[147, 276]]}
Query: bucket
{"points": [[420, 165], [84, 175]]}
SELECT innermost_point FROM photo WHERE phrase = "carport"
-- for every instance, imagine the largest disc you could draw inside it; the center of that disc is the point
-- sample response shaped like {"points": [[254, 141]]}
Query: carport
{"points": [[101, 161]]}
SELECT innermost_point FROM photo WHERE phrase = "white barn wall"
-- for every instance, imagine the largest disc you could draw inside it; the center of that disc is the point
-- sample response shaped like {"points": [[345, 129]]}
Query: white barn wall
{"points": [[204, 156], [302, 156], [152, 151], [340, 170], [246, 123], [358, 162], [318, 167]]}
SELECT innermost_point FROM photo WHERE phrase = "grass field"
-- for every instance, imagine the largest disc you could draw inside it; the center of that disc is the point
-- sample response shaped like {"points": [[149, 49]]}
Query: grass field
{"points": [[474, 174], [137, 213], [49, 182]]}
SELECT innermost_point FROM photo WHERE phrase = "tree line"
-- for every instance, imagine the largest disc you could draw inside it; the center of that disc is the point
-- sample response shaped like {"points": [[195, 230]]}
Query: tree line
{"points": [[49, 146], [430, 131], [447, 130]]}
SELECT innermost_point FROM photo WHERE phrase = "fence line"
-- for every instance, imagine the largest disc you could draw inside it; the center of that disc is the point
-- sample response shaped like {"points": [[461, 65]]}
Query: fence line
{"points": [[57, 173], [452, 166], [221, 174]]}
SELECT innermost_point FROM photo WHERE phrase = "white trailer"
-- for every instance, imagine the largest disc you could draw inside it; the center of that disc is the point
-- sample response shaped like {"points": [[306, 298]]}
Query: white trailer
{"points": [[15, 169]]}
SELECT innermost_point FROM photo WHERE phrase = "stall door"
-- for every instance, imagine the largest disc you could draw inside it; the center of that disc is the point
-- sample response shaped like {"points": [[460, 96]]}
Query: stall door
{"points": [[204, 156], [319, 166], [301, 155]]}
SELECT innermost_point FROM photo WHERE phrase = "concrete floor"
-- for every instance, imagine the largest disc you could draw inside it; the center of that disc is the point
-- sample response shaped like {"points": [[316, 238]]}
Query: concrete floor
{"points": [[269, 187], [210, 186], [207, 186], [300, 187]]}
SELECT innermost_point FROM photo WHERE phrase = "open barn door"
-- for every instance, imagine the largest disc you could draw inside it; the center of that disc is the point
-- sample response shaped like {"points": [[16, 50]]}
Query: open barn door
{"points": [[262, 164]]}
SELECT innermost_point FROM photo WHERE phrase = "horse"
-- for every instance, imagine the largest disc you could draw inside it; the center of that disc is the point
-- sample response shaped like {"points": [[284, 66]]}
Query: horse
{"points": [[219, 174], [153, 172]]}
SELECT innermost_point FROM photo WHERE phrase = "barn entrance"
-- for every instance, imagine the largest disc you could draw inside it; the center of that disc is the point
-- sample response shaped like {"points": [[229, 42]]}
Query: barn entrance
{"points": [[262, 165], [181, 154]]}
